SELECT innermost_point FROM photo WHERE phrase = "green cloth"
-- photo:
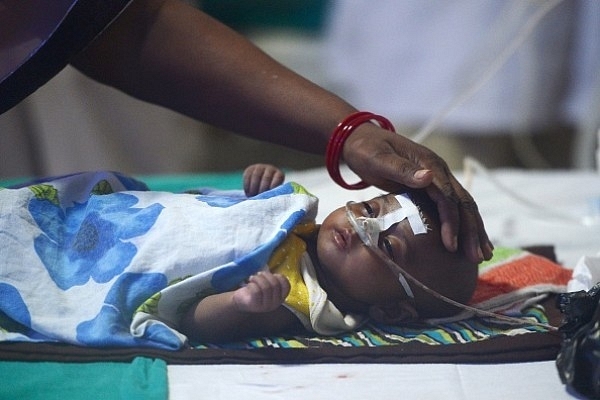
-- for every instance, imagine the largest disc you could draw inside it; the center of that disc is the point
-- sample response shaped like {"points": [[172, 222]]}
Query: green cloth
{"points": [[245, 15], [175, 182], [181, 182], [143, 378]]}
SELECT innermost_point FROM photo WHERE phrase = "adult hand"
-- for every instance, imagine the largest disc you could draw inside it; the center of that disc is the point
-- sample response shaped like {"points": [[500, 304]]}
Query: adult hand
{"points": [[391, 161], [261, 177]]}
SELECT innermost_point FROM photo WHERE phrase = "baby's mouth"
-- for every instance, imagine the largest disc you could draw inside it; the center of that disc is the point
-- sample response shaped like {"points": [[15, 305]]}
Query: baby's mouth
{"points": [[342, 238]]}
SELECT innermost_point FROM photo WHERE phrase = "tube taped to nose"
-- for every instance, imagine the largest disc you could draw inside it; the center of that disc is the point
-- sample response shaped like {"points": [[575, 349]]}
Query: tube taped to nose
{"points": [[368, 229]]}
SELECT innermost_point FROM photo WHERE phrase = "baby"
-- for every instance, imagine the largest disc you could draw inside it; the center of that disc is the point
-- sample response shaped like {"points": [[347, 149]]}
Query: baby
{"points": [[331, 264]]}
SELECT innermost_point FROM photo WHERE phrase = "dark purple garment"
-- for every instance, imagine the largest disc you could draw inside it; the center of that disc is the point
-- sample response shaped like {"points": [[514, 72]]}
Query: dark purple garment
{"points": [[39, 37]]}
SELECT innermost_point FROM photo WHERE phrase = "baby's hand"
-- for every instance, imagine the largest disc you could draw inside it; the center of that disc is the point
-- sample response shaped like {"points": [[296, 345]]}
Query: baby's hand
{"points": [[261, 177], [263, 293]]}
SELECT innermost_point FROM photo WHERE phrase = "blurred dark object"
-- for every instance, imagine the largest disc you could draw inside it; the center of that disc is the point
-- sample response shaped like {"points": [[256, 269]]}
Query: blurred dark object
{"points": [[39, 37], [578, 361]]}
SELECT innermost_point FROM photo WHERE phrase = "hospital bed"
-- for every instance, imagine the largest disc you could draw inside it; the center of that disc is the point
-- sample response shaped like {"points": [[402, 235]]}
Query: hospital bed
{"points": [[558, 210]]}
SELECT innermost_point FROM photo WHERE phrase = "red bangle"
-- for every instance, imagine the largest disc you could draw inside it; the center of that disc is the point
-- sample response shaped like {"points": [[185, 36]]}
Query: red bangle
{"points": [[336, 142]]}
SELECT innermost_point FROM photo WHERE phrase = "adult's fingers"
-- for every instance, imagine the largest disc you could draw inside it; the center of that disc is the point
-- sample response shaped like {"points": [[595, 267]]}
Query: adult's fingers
{"points": [[462, 224]]}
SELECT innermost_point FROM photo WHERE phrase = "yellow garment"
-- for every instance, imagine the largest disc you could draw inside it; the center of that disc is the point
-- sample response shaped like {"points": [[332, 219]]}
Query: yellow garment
{"points": [[285, 260]]}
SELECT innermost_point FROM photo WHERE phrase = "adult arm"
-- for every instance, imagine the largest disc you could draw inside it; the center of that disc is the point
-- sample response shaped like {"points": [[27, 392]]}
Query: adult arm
{"points": [[171, 54]]}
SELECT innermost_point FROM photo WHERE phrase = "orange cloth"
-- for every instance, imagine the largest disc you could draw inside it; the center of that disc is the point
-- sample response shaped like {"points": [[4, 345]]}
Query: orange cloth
{"points": [[517, 269]]}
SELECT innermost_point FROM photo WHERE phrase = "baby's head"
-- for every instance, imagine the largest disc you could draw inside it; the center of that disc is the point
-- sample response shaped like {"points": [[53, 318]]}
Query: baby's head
{"points": [[357, 280]]}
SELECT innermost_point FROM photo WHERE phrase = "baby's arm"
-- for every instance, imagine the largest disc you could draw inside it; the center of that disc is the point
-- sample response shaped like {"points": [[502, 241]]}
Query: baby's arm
{"points": [[261, 177], [253, 310]]}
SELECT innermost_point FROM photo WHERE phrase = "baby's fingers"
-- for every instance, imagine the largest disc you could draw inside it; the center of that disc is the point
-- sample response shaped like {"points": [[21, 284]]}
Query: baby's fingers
{"points": [[274, 288], [263, 293], [259, 178]]}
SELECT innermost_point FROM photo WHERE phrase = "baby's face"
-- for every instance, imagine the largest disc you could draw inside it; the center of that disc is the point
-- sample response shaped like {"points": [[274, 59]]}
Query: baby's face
{"points": [[353, 274]]}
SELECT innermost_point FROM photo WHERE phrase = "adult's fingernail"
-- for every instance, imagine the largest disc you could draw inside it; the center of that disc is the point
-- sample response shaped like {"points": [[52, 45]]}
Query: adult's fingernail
{"points": [[455, 242], [420, 174], [488, 251]]}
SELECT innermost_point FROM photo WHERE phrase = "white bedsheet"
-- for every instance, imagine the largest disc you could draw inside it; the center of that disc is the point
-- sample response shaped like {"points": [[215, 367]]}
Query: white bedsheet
{"points": [[509, 223], [530, 381]]}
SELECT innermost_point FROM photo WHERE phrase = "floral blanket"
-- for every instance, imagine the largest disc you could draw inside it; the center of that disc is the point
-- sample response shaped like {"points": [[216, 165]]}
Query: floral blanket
{"points": [[95, 259]]}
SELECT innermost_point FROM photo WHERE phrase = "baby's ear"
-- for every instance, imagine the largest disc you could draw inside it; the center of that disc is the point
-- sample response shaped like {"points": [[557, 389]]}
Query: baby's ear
{"points": [[392, 314]]}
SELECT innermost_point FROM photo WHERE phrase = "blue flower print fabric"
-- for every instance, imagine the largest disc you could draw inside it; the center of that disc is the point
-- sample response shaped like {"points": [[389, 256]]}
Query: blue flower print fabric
{"points": [[96, 259], [89, 240]]}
